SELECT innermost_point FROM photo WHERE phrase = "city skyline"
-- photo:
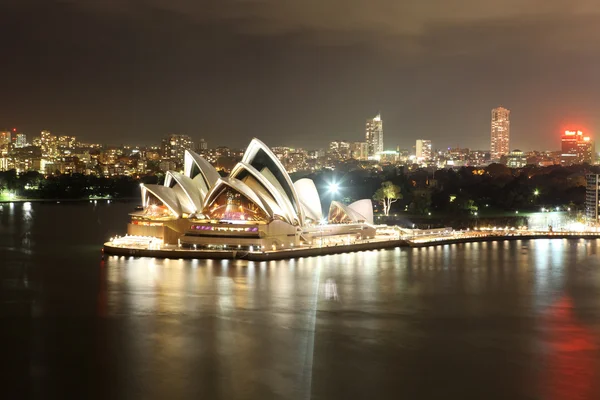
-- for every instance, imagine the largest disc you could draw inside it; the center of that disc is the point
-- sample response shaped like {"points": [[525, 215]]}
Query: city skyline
{"points": [[126, 72]]}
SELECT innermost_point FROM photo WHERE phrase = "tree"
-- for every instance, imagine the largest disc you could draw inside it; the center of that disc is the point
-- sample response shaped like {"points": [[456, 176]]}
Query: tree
{"points": [[387, 194], [421, 200]]}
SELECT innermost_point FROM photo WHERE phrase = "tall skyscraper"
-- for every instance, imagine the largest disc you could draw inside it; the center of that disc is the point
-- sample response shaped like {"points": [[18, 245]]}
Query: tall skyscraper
{"points": [[374, 135], [423, 149], [500, 132]]}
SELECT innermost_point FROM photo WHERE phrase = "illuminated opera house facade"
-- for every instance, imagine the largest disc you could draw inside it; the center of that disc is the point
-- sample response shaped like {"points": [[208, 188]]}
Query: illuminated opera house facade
{"points": [[257, 207]]}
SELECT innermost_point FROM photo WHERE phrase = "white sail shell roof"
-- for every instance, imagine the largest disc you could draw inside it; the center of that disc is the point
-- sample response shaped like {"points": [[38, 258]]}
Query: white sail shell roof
{"points": [[266, 190], [189, 193], [259, 156], [166, 195], [206, 175], [363, 208], [309, 199], [351, 214], [240, 187]]}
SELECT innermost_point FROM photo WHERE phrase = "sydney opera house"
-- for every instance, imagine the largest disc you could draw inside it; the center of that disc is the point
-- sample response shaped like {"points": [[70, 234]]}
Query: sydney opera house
{"points": [[257, 207]]}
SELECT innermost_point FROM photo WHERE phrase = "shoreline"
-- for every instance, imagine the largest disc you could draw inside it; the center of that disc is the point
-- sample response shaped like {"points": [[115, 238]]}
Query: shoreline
{"points": [[110, 249], [68, 200]]}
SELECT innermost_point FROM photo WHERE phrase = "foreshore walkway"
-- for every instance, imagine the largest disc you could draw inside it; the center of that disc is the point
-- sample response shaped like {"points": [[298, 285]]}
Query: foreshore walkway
{"points": [[376, 244]]}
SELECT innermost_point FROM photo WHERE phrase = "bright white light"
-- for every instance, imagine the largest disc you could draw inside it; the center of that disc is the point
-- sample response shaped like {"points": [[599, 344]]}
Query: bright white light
{"points": [[323, 221], [576, 227], [334, 187]]}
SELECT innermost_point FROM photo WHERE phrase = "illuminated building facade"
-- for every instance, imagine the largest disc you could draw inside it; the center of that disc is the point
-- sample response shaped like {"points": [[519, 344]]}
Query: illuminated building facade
{"points": [[423, 150], [576, 148], [592, 198], [339, 150], [20, 140], [516, 159], [374, 136], [5, 138], [256, 207], [359, 150], [174, 147], [500, 134]]}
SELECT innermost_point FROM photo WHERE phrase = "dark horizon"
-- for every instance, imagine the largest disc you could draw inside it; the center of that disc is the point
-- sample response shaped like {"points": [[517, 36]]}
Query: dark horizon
{"points": [[300, 74]]}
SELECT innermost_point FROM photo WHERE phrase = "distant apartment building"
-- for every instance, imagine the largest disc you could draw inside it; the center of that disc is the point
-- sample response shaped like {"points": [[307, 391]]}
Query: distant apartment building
{"points": [[67, 142], [5, 138], [339, 150], [500, 133], [20, 141], [423, 150], [174, 147], [374, 136], [359, 150], [49, 144], [592, 199], [516, 159], [202, 145], [576, 148]]}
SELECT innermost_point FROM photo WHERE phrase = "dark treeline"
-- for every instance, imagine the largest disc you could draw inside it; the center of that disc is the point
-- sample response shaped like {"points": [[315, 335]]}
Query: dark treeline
{"points": [[456, 191], [464, 190], [33, 185]]}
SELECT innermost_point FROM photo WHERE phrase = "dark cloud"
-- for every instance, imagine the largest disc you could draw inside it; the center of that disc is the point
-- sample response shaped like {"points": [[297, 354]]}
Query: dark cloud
{"points": [[300, 73]]}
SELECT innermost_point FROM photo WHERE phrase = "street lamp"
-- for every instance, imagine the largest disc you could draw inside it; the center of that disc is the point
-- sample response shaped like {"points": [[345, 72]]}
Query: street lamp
{"points": [[536, 192], [334, 187]]}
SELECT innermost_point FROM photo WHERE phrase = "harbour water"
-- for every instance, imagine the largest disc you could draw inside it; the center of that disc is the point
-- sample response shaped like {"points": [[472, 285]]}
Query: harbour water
{"points": [[497, 320]]}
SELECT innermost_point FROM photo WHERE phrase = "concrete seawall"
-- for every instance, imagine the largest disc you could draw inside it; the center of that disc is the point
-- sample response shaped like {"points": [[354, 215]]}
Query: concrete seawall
{"points": [[110, 249], [503, 238], [251, 256]]}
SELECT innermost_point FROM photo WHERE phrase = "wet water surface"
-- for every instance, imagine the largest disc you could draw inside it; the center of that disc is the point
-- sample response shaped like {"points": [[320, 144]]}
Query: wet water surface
{"points": [[499, 320]]}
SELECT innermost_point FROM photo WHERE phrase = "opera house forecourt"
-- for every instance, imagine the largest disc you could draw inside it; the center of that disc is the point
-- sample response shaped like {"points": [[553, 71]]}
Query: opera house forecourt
{"points": [[256, 209]]}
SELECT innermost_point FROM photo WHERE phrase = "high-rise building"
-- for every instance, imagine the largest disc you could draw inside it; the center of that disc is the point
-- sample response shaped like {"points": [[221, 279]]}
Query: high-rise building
{"points": [[20, 140], [374, 135], [49, 144], [585, 151], [592, 199], [5, 138], [339, 150], [423, 149], [359, 150], [67, 142], [202, 145], [174, 147], [500, 137], [576, 148]]}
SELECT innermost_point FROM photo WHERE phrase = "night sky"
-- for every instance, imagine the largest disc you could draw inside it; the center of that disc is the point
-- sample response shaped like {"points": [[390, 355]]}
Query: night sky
{"points": [[300, 73]]}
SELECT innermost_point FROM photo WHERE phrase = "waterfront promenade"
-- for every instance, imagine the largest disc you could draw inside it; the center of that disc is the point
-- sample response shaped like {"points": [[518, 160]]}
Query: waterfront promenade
{"points": [[137, 247]]}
